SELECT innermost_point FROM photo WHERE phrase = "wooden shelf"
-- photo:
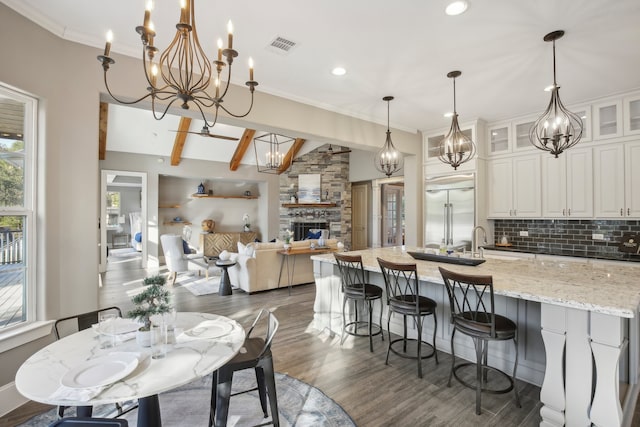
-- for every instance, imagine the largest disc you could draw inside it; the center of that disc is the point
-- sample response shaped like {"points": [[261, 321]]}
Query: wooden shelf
{"points": [[176, 223], [168, 206], [308, 205], [206, 196]]}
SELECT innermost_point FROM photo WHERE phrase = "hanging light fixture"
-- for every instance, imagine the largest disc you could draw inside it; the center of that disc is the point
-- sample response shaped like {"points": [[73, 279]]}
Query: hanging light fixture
{"points": [[388, 160], [557, 129], [270, 152], [456, 147], [185, 72]]}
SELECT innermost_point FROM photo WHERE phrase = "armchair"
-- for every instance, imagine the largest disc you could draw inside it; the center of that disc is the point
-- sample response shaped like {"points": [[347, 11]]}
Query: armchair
{"points": [[175, 258]]}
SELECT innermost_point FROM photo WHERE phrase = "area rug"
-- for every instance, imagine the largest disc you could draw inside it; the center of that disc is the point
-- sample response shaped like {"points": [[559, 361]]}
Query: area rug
{"points": [[299, 404], [199, 285], [124, 253]]}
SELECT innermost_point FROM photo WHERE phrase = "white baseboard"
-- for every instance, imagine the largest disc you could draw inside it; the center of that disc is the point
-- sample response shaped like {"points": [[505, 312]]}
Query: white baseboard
{"points": [[10, 399]]}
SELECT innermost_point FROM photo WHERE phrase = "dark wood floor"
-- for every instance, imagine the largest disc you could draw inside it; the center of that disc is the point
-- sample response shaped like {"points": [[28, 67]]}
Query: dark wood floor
{"points": [[374, 394]]}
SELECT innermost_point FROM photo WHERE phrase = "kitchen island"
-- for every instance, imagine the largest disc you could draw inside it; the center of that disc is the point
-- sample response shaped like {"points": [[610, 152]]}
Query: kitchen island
{"points": [[577, 324]]}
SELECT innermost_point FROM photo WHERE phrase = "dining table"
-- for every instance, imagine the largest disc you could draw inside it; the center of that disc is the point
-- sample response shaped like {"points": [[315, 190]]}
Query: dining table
{"points": [[76, 371]]}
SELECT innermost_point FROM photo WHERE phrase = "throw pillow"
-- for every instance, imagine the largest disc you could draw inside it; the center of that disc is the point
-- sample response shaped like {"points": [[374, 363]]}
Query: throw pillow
{"points": [[185, 247], [312, 235], [138, 237], [247, 249]]}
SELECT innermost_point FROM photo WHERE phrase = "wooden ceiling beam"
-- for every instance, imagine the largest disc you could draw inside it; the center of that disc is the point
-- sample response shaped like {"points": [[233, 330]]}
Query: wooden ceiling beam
{"points": [[181, 138], [241, 149], [291, 154], [102, 130]]}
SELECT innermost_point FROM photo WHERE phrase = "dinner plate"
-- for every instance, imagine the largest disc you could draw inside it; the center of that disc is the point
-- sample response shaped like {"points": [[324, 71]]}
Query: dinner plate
{"points": [[100, 371], [120, 326], [209, 329]]}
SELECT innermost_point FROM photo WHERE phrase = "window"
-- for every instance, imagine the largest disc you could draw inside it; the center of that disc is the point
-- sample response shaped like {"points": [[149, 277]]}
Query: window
{"points": [[17, 178]]}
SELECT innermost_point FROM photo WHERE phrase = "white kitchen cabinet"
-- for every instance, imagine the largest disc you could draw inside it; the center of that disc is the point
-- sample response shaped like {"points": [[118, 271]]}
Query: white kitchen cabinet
{"points": [[432, 142], [521, 130], [567, 184], [607, 119], [514, 187], [632, 115], [499, 137], [616, 187], [584, 112]]}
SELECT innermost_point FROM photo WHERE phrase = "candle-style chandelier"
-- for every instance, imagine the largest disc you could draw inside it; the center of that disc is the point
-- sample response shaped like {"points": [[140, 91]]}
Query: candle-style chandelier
{"points": [[185, 71], [456, 147], [270, 150], [388, 160], [557, 128]]}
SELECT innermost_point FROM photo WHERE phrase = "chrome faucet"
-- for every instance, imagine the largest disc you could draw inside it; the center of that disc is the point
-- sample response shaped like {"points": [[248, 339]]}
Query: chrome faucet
{"points": [[474, 244]]}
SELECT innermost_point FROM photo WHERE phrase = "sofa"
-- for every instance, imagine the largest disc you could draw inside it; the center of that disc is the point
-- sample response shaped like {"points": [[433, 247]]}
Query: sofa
{"points": [[259, 271]]}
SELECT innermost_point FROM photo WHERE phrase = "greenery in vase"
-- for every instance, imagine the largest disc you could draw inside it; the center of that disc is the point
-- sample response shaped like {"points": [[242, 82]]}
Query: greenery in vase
{"points": [[154, 299], [288, 235]]}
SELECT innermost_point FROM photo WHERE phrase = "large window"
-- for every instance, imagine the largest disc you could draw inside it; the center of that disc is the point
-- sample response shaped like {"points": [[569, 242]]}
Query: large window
{"points": [[17, 178]]}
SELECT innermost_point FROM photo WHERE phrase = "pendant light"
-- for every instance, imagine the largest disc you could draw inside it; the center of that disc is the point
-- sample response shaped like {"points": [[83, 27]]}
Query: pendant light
{"points": [[456, 147], [388, 160], [557, 128]]}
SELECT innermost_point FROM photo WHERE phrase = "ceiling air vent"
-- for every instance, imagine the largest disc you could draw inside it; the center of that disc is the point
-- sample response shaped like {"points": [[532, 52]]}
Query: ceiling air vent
{"points": [[281, 45]]}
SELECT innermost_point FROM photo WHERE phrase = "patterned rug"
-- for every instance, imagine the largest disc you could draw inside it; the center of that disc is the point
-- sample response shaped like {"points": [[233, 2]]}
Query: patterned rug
{"points": [[299, 404], [199, 285]]}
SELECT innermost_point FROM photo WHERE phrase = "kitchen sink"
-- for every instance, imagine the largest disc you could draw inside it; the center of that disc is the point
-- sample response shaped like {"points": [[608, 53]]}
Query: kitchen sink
{"points": [[446, 259]]}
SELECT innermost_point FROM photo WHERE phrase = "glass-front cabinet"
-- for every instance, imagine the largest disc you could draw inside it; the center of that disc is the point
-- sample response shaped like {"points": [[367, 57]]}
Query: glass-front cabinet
{"points": [[632, 115], [433, 143], [499, 137], [607, 119], [521, 130]]}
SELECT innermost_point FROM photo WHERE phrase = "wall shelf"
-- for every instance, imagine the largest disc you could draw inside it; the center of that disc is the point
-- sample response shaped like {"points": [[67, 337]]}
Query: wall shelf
{"points": [[308, 205], [176, 223], [168, 206], [206, 196]]}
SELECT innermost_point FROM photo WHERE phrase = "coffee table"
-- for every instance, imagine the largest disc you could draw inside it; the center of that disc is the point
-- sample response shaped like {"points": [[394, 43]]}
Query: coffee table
{"points": [[225, 282]]}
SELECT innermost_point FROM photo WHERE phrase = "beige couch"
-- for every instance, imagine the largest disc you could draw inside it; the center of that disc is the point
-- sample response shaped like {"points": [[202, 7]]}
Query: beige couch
{"points": [[260, 272]]}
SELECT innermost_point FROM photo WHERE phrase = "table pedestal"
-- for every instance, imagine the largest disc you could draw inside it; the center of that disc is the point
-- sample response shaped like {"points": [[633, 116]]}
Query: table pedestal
{"points": [[225, 282]]}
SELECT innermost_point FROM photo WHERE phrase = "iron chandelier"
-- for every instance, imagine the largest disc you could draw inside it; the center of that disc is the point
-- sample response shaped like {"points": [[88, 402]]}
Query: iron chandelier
{"points": [[557, 128], [388, 160], [456, 147], [185, 71]]}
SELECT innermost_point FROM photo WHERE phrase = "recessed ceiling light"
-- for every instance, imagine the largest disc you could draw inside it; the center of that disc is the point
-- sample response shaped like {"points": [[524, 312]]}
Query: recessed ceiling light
{"points": [[338, 71], [456, 8], [449, 114]]}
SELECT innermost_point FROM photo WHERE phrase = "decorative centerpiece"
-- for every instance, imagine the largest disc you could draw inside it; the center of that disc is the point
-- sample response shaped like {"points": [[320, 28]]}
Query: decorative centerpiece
{"points": [[288, 237], [247, 223], [201, 189], [208, 225], [154, 299]]}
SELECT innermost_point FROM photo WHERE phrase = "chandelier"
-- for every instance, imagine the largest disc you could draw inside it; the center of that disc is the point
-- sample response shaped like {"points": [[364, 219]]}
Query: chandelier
{"points": [[456, 147], [183, 72], [388, 160], [270, 152], [557, 128]]}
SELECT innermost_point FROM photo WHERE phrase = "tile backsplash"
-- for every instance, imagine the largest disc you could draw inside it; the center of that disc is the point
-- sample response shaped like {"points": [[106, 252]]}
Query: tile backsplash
{"points": [[561, 235]]}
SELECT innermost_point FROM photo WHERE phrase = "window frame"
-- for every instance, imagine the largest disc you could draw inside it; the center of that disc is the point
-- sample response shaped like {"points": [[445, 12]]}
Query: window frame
{"points": [[28, 211]]}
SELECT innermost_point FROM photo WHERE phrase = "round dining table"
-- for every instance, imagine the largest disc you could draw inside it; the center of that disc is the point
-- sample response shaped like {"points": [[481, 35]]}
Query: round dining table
{"points": [[203, 343]]}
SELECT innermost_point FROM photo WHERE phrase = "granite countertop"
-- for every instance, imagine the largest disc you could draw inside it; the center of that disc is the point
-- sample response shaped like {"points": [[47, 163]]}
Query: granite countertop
{"points": [[617, 256], [608, 288]]}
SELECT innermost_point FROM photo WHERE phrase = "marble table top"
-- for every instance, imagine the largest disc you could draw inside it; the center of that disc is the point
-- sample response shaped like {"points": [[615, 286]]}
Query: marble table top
{"points": [[40, 376], [600, 286]]}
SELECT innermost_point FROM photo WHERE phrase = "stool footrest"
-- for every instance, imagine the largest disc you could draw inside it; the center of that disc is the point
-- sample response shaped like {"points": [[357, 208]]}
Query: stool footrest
{"points": [[375, 329], [484, 368], [409, 356]]}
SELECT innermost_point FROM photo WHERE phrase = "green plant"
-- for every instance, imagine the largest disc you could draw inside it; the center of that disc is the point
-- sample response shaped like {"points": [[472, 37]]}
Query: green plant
{"points": [[154, 299]]}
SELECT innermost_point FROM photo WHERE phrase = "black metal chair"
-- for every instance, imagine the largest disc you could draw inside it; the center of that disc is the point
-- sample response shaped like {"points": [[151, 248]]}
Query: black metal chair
{"points": [[355, 289], [255, 353], [473, 314], [401, 281], [90, 422], [79, 322]]}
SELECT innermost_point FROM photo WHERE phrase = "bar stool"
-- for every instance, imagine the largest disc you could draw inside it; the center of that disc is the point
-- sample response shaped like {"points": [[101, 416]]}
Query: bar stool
{"points": [[354, 288], [401, 281], [472, 313]]}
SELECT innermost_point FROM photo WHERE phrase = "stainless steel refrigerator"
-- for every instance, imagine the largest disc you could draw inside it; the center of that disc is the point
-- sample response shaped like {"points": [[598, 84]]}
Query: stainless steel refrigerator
{"points": [[450, 210]]}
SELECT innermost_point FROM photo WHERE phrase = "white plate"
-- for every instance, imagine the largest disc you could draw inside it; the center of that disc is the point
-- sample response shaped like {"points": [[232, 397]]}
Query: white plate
{"points": [[120, 326], [209, 329], [100, 371]]}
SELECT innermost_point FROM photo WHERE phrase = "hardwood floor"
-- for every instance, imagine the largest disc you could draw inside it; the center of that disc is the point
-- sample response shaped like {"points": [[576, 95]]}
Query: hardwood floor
{"points": [[374, 394]]}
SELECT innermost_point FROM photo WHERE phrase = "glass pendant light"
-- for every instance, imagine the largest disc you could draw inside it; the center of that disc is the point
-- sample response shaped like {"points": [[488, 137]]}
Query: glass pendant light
{"points": [[388, 160], [557, 128], [456, 147]]}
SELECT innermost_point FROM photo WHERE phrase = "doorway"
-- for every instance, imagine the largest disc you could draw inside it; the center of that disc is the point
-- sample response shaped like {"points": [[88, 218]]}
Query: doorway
{"points": [[392, 214], [123, 219], [359, 216]]}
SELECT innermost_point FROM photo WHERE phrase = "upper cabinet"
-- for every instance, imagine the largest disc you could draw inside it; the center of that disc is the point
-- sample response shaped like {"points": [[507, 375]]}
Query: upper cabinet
{"points": [[476, 130], [632, 115], [616, 187], [607, 119], [567, 184], [514, 187], [432, 142], [521, 130], [499, 138]]}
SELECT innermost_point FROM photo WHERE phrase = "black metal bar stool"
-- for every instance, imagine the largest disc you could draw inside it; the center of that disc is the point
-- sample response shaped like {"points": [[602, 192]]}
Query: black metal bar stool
{"points": [[354, 288], [401, 281], [472, 313]]}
